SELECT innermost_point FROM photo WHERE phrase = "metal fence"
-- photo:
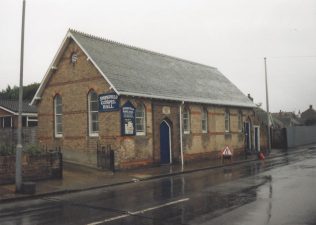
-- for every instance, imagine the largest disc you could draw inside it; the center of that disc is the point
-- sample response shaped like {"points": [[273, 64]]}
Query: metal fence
{"points": [[105, 157]]}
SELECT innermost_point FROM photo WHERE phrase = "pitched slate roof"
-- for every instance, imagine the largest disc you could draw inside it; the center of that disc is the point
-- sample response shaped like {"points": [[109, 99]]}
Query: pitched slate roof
{"points": [[13, 106], [138, 72]]}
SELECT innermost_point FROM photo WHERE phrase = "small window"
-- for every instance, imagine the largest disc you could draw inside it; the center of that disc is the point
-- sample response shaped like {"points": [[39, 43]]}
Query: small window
{"points": [[186, 121], [6, 122], [31, 121], [227, 121], [140, 120], [58, 116], [93, 114], [204, 120], [240, 122]]}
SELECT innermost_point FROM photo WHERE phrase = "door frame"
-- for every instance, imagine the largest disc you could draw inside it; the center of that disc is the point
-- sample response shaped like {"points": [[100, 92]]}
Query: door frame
{"points": [[170, 149], [249, 134], [258, 137]]}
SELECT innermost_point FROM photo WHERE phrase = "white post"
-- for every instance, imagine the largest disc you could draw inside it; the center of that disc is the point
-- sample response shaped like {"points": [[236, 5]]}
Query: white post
{"points": [[267, 101], [19, 147], [181, 133]]}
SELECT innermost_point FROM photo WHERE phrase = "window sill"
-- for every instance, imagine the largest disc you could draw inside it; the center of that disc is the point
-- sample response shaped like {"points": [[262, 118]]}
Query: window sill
{"points": [[186, 132], [140, 133], [94, 135], [58, 135]]}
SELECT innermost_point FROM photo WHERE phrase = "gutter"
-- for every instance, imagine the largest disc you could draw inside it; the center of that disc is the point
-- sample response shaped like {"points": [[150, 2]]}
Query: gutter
{"points": [[181, 133]]}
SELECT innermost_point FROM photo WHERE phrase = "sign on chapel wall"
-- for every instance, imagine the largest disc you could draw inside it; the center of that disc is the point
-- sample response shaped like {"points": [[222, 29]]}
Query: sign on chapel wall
{"points": [[109, 102], [128, 119]]}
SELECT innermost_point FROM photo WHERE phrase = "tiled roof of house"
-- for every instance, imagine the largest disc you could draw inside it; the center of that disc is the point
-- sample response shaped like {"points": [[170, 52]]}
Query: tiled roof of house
{"points": [[138, 72], [287, 118], [13, 106]]}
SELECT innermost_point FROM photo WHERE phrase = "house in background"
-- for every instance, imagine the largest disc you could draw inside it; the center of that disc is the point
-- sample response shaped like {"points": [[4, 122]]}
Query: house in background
{"points": [[308, 117], [149, 107], [288, 119], [9, 111]]}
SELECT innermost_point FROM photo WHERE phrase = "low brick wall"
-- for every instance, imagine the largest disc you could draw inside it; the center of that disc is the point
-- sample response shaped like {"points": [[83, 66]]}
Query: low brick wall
{"points": [[44, 166]]}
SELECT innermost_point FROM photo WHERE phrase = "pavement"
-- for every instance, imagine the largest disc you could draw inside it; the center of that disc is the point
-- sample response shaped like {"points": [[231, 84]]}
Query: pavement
{"points": [[79, 178]]}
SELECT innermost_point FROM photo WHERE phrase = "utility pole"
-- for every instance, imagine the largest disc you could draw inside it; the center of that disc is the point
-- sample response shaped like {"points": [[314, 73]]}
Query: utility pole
{"points": [[267, 101], [19, 147]]}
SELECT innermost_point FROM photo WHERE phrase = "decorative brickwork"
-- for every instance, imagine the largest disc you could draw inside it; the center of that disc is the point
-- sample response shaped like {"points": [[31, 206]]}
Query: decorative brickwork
{"points": [[73, 82]]}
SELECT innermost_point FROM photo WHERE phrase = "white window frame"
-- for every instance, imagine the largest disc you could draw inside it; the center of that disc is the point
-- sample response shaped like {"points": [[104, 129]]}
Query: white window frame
{"points": [[227, 120], [240, 122], [30, 119], [92, 133], [205, 120], [11, 122], [186, 130], [141, 118], [58, 134]]}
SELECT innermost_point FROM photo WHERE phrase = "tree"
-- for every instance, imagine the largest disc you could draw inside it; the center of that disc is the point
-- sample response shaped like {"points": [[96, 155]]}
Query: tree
{"points": [[12, 93]]}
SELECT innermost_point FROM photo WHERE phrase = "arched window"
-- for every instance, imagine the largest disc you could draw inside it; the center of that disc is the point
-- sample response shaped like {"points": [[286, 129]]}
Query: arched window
{"points": [[227, 121], [58, 116], [93, 113], [204, 120], [140, 120], [186, 121]]}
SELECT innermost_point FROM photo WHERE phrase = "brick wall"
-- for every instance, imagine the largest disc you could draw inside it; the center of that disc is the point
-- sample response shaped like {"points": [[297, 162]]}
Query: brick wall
{"points": [[73, 83], [8, 136], [33, 167]]}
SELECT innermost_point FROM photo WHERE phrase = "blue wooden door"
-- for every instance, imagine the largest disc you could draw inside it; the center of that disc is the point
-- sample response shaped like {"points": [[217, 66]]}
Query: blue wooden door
{"points": [[247, 135], [164, 143]]}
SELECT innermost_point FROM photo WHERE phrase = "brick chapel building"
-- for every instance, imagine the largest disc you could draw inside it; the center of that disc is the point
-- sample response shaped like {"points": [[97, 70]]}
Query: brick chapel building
{"points": [[151, 108]]}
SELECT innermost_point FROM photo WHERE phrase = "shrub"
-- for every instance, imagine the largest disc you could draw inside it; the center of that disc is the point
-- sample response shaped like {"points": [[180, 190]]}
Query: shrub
{"points": [[32, 150], [6, 150]]}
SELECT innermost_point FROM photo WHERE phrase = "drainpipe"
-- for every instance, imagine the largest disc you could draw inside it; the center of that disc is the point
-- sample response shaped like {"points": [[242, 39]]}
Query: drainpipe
{"points": [[181, 133]]}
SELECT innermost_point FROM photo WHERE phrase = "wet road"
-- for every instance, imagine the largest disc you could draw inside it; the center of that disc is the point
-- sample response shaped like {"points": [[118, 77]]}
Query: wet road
{"points": [[278, 191]]}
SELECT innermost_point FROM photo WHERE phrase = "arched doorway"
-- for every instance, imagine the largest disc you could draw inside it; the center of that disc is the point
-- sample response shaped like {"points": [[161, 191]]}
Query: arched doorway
{"points": [[165, 143]]}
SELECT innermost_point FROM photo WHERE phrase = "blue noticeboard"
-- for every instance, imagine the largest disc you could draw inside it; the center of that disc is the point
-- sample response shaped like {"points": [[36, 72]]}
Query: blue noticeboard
{"points": [[128, 119], [109, 102]]}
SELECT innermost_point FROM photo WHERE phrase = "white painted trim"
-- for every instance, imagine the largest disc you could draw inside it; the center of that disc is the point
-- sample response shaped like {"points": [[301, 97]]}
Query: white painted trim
{"points": [[94, 63], [48, 72], [181, 130], [29, 114], [183, 99], [202, 112], [66, 39], [170, 149], [189, 123], [140, 133], [8, 110], [57, 135], [249, 132], [91, 134]]}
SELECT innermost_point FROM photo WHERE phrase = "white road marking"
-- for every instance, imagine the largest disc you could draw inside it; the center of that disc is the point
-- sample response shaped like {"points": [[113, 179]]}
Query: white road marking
{"points": [[139, 211]]}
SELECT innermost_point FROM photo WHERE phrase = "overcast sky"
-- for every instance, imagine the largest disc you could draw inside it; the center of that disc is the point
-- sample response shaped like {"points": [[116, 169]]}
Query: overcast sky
{"points": [[232, 35]]}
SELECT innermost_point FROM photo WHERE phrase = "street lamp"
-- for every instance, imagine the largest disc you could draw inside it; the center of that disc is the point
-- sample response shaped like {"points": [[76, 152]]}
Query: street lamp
{"points": [[267, 100], [19, 147]]}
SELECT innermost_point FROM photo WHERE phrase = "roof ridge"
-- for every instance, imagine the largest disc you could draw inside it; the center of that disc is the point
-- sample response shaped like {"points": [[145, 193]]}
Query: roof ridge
{"points": [[136, 48]]}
